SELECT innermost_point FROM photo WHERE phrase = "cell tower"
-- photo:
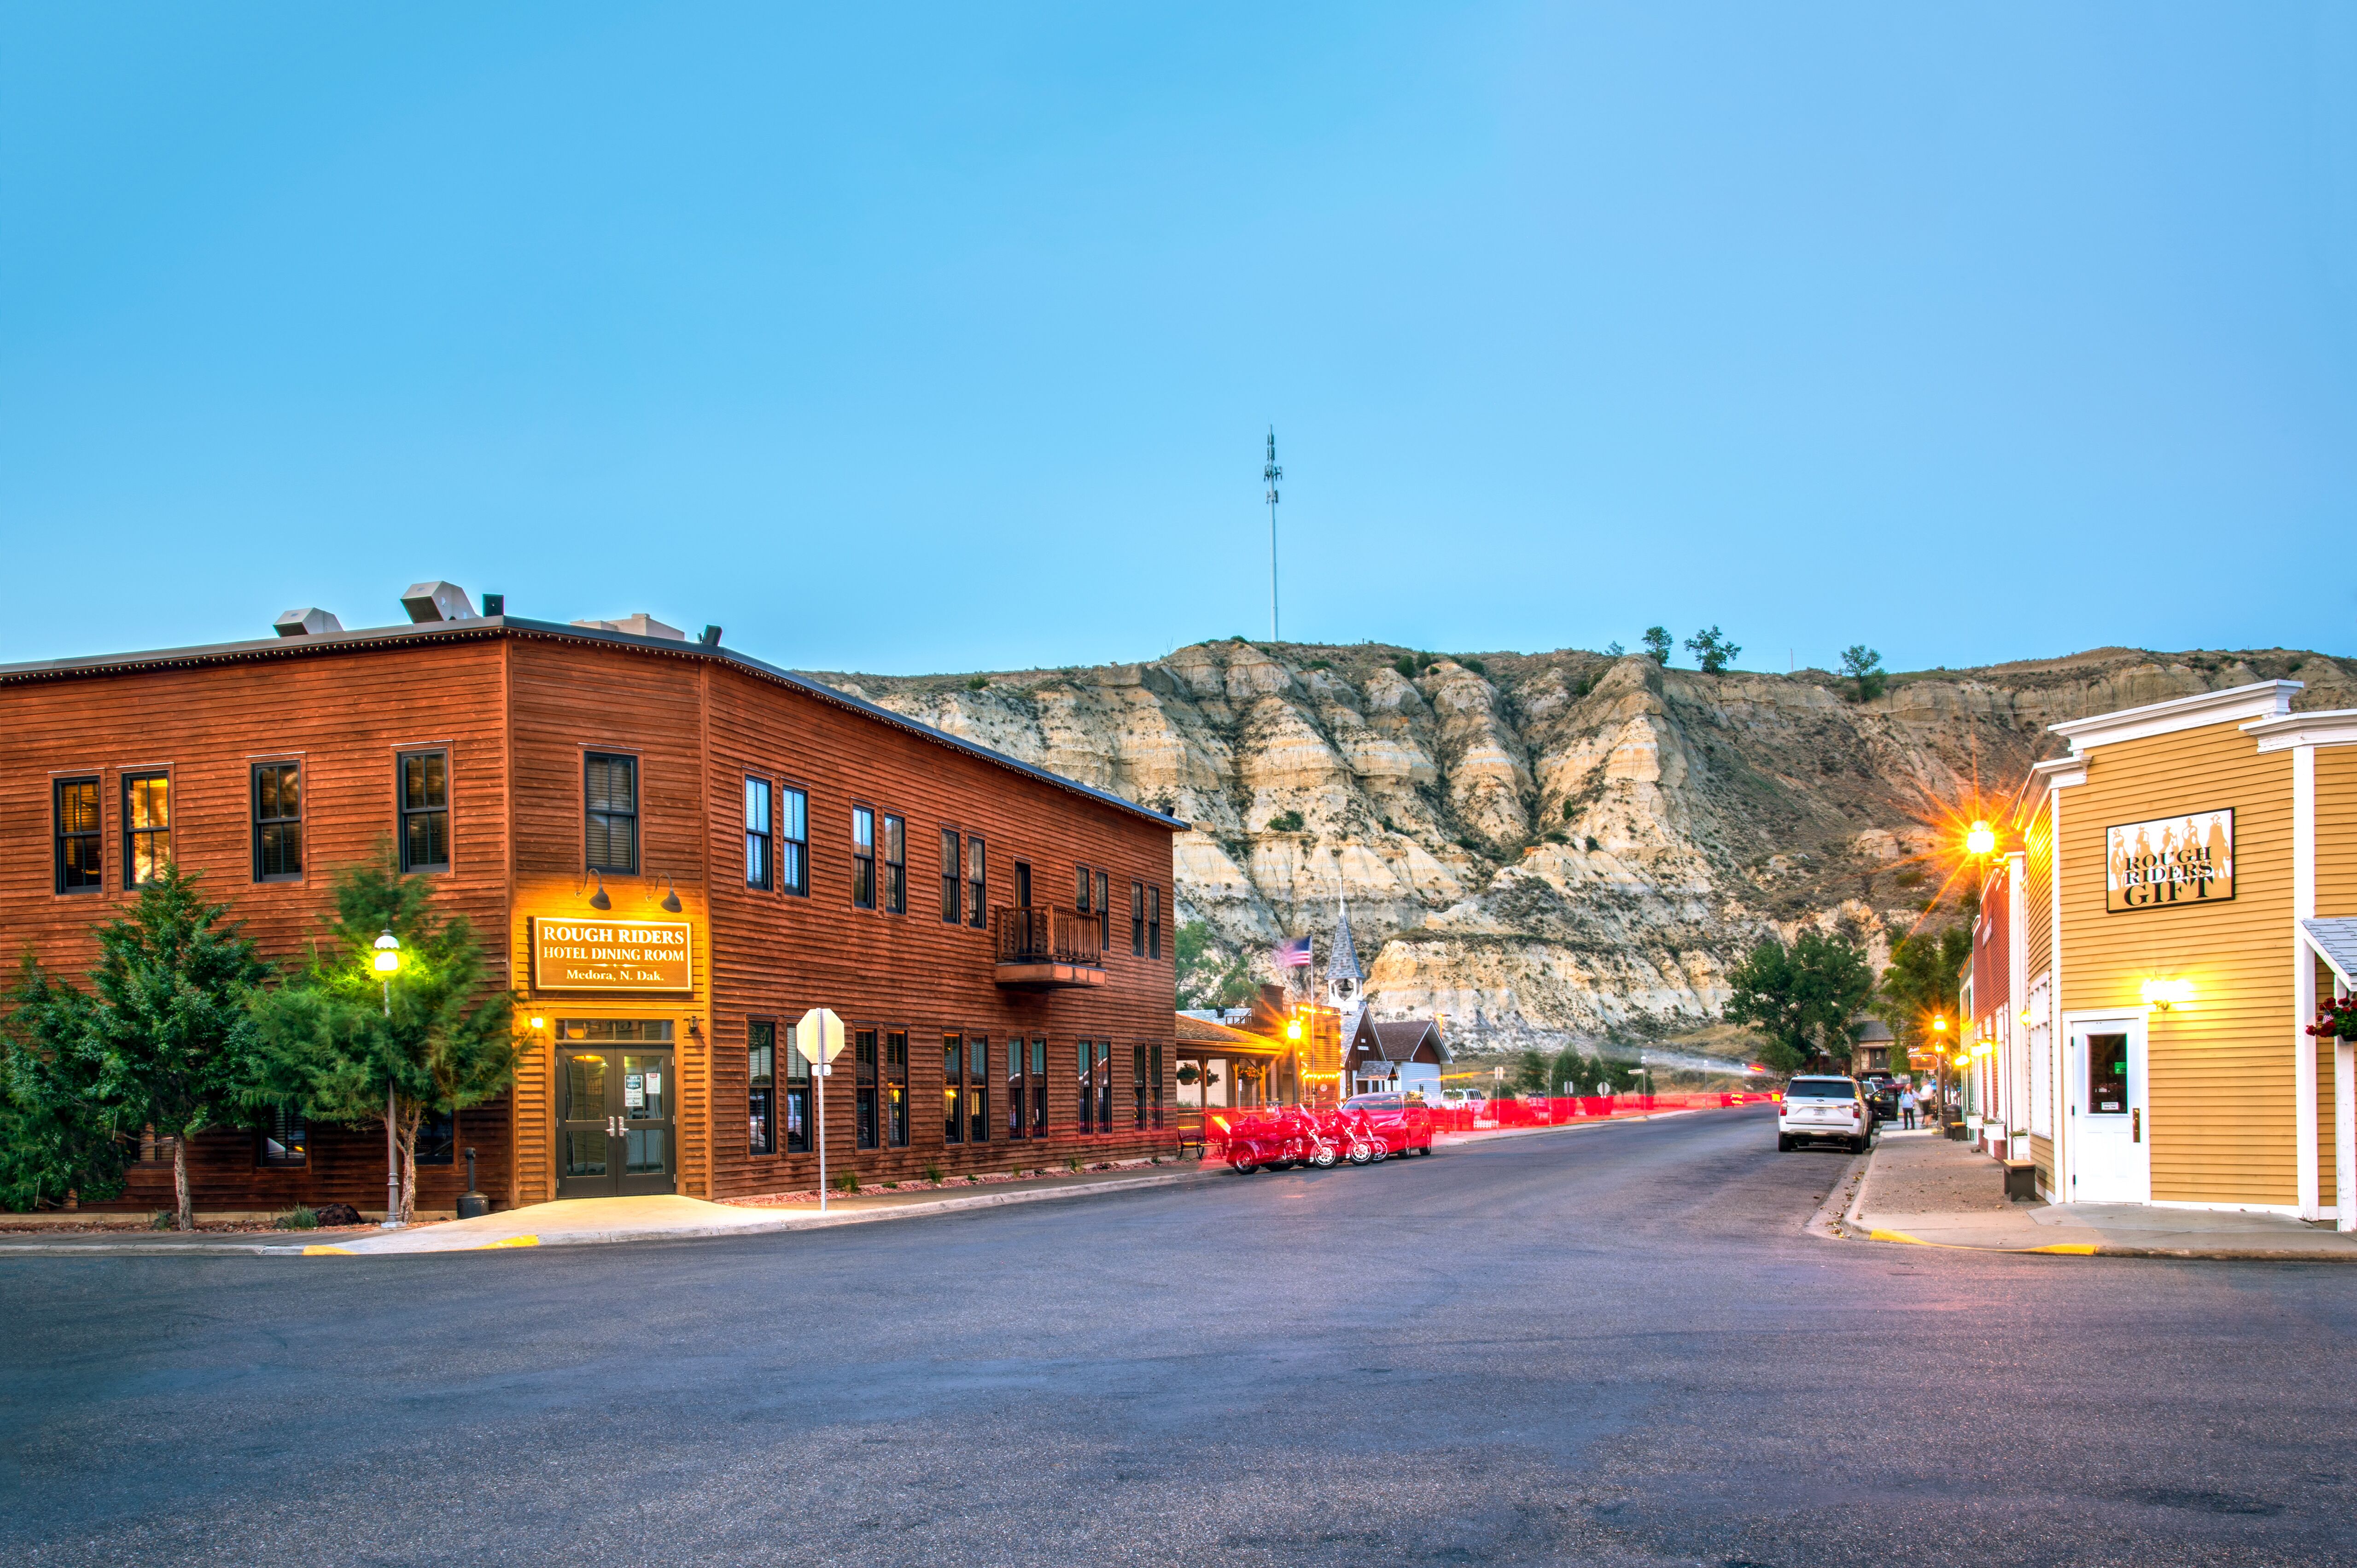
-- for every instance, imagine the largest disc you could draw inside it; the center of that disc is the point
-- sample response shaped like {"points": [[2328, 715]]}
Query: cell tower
{"points": [[1270, 473]]}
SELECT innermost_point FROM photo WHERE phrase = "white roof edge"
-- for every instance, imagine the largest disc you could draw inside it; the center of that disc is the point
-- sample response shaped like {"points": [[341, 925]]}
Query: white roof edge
{"points": [[2262, 699], [2326, 726]]}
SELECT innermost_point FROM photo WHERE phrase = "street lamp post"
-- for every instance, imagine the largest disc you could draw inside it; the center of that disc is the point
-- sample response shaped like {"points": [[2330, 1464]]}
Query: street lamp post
{"points": [[387, 961]]}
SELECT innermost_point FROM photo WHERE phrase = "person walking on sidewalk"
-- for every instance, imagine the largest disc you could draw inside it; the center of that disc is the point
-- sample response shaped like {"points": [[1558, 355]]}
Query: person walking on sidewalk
{"points": [[1907, 1107]]}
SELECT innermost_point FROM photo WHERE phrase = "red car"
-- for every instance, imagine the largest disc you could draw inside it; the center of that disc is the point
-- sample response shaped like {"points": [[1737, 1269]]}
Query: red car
{"points": [[1400, 1120]]}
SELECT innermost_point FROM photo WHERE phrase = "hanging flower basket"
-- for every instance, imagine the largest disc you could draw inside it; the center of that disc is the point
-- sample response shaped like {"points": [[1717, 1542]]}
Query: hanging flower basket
{"points": [[2336, 1020], [1187, 1074]]}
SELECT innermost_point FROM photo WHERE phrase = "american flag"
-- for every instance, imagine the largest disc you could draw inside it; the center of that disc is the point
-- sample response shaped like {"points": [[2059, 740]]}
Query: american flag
{"points": [[1294, 954]]}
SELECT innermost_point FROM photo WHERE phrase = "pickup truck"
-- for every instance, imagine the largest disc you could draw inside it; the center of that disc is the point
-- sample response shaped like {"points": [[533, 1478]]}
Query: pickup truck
{"points": [[1829, 1108]]}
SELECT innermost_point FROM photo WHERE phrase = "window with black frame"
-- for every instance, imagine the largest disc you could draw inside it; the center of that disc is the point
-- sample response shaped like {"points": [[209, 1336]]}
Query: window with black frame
{"points": [[1083, 884], [797, 1094], [76, 828], [611, 793], [862, 1067], [1037, 1081], [283, 1142], [147, 827], [277, 821], [952, 1089], [1103, 1079], [977, 1088], [758, 834], [438, 1138], [1154, 922], [1104, 913], [425, 786], [896, 1088], [977, 884], [1018, 1095], [1087, 1093], [896, 866], [794, 841], [863, 858], [1154, 1081], [760, 1088], [952, 880], [1137, 919], [1137, 1081]]}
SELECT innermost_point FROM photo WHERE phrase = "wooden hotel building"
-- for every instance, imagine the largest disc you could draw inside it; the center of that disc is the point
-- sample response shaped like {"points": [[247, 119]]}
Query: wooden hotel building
{"points": [[674, 850]]}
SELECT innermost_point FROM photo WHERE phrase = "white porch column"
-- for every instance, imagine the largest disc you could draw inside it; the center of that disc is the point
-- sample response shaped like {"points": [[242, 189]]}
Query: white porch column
{"points": [[2344, 1133], [2304, 1044]]}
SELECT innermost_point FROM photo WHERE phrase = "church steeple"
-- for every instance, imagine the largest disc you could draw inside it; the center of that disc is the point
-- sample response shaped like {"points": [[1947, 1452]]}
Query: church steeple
{"points": [[1344, 978]]}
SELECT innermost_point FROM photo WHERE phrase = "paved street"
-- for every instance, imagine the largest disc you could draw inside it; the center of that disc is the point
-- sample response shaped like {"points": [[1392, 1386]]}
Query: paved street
{"points": [[1602, 1345]]}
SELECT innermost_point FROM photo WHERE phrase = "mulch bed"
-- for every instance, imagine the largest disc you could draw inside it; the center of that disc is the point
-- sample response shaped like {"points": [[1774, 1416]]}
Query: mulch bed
{"points": [[948, 1187]]}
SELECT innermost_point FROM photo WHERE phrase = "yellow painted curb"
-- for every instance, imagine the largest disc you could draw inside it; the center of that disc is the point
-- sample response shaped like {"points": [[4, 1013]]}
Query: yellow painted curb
{"points": [[328, 1252], [2075, 1248], [510, 1242], [1897, 1236]]}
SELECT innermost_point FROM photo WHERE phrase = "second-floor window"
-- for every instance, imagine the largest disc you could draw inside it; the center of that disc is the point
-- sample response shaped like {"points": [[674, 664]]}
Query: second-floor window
{"points": [[1154, 922], [896, 866], [1137, 919], [426, 810], [1104, 911], [953, 880], [863, 858], [76, 831], [611, 793], [977, 884], [794, 841], [277, 821], [758, 835], [147, 827]]}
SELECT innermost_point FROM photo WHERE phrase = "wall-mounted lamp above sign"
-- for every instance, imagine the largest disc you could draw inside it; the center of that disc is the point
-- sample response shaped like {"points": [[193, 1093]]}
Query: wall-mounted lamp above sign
{"points": [[612, 955]]}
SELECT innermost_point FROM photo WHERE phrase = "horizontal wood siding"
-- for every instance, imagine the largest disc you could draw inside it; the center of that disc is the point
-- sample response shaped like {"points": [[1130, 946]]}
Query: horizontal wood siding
{"points": [[2221, 1118], [2336, 830], [345, 715]]}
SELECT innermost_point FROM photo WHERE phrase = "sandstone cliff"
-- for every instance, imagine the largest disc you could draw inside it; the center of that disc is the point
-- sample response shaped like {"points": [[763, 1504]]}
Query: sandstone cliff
{"points": [[1566, 844]]}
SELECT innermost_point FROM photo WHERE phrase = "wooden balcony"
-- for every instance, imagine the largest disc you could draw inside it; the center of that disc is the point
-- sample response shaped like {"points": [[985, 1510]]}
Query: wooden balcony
{"points": [[1047, 949]]}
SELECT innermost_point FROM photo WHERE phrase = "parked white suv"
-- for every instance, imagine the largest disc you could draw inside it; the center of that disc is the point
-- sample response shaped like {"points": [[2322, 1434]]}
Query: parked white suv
{"points": [[1828, 1108]]}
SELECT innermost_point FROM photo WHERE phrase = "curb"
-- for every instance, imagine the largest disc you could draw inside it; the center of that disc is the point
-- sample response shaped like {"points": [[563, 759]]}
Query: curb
{"points": [[1836, 1220], [813, 1221]]}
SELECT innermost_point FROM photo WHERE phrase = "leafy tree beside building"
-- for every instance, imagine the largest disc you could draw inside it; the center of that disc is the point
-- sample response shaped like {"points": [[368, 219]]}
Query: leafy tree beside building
{"points": [[1802, 997], [337, 1035]]}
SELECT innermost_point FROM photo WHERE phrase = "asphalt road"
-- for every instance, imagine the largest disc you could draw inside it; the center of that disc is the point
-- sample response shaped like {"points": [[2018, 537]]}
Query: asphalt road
{"points": [[1603, 1345]]}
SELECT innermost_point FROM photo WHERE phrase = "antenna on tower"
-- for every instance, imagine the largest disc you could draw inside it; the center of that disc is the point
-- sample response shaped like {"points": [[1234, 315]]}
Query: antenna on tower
{"points": [[1270, 473]]}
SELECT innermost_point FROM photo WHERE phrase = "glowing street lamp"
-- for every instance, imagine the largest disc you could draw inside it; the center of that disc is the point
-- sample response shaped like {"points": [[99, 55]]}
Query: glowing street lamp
{"points": [[388, 961], [1980, 839]]}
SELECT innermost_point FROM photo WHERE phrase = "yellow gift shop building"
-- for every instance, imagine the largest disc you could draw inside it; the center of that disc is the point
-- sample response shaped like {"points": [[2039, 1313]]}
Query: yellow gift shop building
{"points": [[2148, 960]]}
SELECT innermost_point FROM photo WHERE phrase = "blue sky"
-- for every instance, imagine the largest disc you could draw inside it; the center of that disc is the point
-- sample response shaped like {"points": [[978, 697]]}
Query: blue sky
{"points": [[938, 339]]}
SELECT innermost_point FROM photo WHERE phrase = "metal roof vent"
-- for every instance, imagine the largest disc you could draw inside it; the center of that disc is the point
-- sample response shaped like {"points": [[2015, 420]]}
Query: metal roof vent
{"points": [[307, 622], [437, 601], [639, 625]]}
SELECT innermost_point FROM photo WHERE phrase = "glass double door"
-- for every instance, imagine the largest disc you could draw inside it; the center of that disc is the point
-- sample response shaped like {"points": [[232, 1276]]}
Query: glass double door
{"points": [[617, 1134]]}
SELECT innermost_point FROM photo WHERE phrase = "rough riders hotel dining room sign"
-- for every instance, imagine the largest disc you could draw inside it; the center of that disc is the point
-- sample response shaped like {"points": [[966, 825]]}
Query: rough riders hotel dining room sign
{"points": [[610, 955], [2169, 860]]}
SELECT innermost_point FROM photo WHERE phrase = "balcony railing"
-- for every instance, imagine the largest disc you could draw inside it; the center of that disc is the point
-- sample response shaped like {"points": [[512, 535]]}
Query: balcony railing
{"points": [[1047, 947]]}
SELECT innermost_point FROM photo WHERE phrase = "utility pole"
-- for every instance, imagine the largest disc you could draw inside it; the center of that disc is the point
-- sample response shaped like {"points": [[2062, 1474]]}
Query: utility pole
{"points": [[1270, 473]]}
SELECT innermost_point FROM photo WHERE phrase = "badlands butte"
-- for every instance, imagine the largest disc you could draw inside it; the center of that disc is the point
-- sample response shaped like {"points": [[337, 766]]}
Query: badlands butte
{"points": [[1554, 846]]}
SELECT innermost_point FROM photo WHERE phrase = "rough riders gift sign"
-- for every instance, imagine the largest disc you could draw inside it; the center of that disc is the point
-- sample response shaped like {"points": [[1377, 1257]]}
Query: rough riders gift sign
{"points": [[2169, 860], [610, 955]]}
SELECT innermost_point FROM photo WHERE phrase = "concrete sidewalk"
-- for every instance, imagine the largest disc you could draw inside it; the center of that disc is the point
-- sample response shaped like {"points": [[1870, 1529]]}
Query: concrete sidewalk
{"points": [[575, 1222], [1920, 1188]]}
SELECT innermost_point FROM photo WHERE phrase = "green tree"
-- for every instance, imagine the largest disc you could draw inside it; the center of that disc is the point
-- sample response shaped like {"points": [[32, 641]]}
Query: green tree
{"points": [[1527, 1073], [163, 1040], [1712, 650], [1863, 665], [1802, 997], [1573, 1069], [1656, 642], [1924, 981], [347, 1044], [1207, 977]]}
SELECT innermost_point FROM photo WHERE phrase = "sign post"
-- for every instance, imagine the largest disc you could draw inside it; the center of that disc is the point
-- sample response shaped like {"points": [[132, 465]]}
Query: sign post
{"points": [[818, 1036]]}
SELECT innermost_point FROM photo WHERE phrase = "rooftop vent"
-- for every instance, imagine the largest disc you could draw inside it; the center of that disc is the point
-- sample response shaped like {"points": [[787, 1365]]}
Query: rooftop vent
{"points": [[307, 622], [639, 625], [437, 601]]}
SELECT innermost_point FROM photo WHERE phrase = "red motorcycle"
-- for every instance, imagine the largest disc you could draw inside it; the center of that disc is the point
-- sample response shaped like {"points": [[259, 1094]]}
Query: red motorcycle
{"points": [[1288, 1136]]}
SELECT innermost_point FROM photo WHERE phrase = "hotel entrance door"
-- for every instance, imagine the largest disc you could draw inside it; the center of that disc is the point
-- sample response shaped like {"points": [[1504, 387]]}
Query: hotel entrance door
{"points": [[617, 1132]]}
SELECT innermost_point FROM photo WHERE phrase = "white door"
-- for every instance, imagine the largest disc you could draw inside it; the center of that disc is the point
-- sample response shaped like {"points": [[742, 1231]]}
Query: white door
{"points": [[2103, 1110]]}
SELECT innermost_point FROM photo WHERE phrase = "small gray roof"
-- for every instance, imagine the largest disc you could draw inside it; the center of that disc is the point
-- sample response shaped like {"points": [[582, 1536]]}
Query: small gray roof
{"points": [[2336, 940], [1869, 1031], [1397, 1041]]}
